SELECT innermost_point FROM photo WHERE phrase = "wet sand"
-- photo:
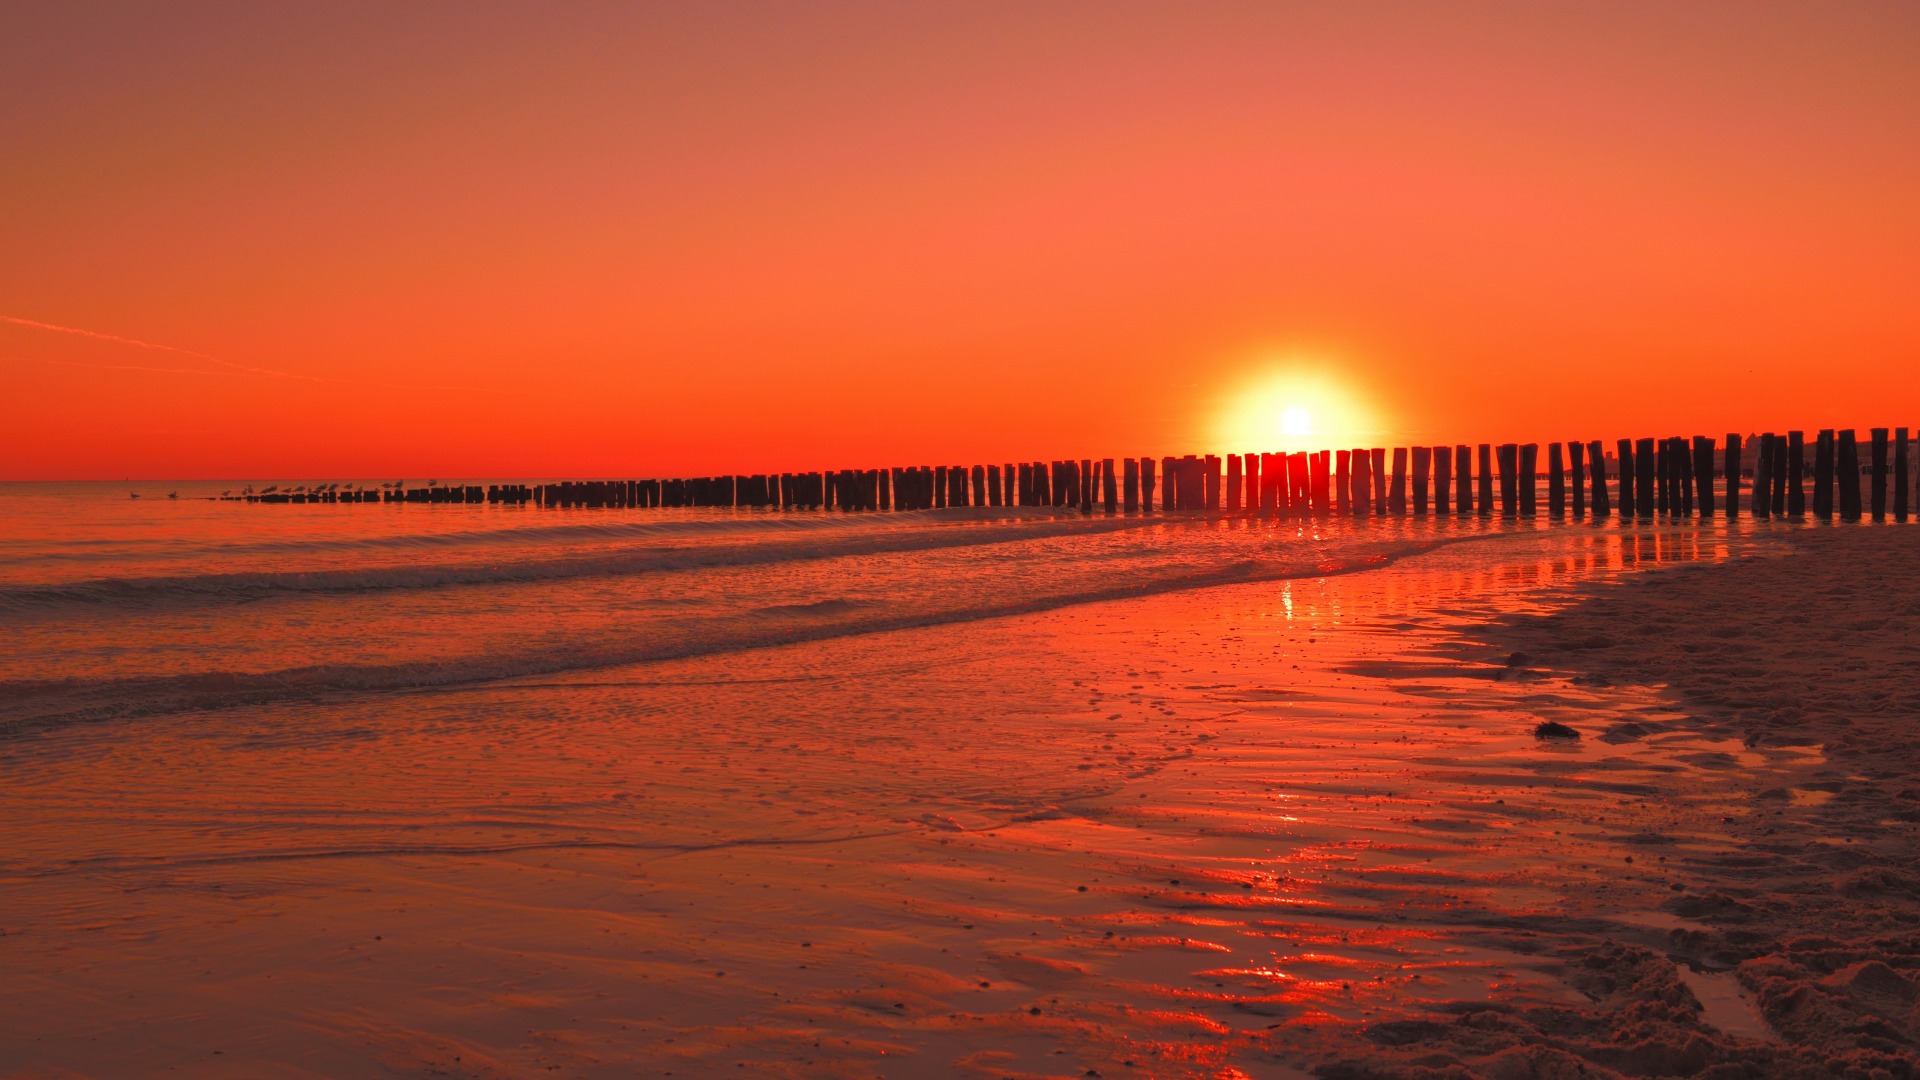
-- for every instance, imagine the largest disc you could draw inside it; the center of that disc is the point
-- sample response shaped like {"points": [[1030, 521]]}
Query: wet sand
{"points": [[1260, 830]]}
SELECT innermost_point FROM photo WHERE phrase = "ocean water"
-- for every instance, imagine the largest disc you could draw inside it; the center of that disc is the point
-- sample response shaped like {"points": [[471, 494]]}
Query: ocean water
{"points": [[489, 791], [115, 607]]}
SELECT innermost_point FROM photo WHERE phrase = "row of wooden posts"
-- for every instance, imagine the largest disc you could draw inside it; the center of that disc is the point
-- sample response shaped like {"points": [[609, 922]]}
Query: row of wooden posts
{"points": [[1669, 477]]}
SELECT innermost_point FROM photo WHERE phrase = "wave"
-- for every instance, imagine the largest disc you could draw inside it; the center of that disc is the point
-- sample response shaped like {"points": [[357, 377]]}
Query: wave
{"points": [[35, 704], [785, 543]]}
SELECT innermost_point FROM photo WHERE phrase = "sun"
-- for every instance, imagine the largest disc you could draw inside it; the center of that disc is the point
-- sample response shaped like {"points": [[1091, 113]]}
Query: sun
{"points": [[1295, 402]]}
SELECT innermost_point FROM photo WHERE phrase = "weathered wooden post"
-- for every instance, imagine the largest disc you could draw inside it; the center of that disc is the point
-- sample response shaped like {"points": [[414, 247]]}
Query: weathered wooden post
{"points": [[1900, 474], [1026, 483], [1170, 494], [1847, 472], [1878, 492], [1823, 475], [1146, 484], [1732, 458], [1577, 470], [1397, 492], [1796, 473], [1763, 477], [1342, 482], [1109, 487], [1623, 449], [1556, 483], [1233, 483], [1703, 475], [1643, 477], [1597, 470], [994, 491], [1213, 483], [1130, 485], [1529, 476], [1777, 476], [1463, 480], [1251, 467], [1320, 466], [1484, 498], [1508, 456], [1422, 470], [979, 485], [1443, 481], [1662, 476], [1377, 474]]}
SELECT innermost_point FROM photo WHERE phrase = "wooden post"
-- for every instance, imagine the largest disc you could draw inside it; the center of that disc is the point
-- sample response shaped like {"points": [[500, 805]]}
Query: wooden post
{"points": [[1343, 482], [1422, 469], [1485, 493], [1362, 501], [1732, 472], [1643, 477], [1703, 475], [1397, 492], [1463, 480], [1847, 472], [1577, 470], [1320, 499], [1823, 475], [1529, 476], [1146, 484], [1233, 483], [1443, 481], [979, 485], [1169, 485], [1777, 474], [1796, 474], [1899, 473], [1250, 481], [1213, 482], [1109, 487], [1597, 470], [1763, 477], [1130, 485], [1878, 492], [994, 490], [1623, 450], [1377, 473], [1556, 483], [1509, 458]]}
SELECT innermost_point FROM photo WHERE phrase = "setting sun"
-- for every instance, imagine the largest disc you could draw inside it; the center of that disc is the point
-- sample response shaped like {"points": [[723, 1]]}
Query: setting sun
{"points": [[1292, 402]]}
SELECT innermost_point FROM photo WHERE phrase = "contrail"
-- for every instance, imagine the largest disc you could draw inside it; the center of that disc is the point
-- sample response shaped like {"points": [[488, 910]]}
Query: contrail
{"points": [[241, 369]]}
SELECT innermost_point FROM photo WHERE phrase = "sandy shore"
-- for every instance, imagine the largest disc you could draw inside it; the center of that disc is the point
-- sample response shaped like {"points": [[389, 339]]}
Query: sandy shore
{"points": [[1266, 830]]}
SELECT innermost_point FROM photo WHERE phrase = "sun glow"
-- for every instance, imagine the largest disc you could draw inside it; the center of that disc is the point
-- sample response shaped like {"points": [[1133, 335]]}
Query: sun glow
{"points": [[1296, 404]]}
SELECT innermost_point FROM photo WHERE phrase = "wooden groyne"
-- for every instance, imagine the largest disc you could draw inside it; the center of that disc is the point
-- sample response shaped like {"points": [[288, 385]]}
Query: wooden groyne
{"points": [[1764, 476]]}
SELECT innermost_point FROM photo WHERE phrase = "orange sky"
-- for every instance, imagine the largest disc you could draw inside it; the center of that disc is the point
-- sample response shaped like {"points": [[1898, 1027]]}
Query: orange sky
{"points": [[411, 240]]}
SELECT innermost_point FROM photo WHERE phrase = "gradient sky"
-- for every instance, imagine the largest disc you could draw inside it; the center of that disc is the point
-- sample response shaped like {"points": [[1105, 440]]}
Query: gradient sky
{"points": [[472, 239]]}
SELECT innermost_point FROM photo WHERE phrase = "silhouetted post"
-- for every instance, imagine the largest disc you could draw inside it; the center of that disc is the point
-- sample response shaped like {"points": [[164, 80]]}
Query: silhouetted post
{"points": [[1643, 477], [1250, 482], [1879, 490], [1777, 476], [1130, 485], [1900, 474], [1319, 498], [1422, 468], [1377, 472], [1109, 487], [1397, 492], [1577, 470], [1662, 476], [1763, 477], [1624, 450], [1213, 482], [1732, 472], [1442, 481], [1485, 494], [1170, 496], [1796, 474], [1597, 470], [1703, 475], [1847, 472], [1508, 457], [979, 485], [1556, 482], [1463, 480], [1529, 476], [1343, 482], [1297, 475], [994, 491], [1823, 475], [1233, 483], [1146, 484]]}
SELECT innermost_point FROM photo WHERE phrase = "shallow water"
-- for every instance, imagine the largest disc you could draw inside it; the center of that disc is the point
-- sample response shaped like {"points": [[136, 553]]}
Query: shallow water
{"points": [[925, 794]]}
